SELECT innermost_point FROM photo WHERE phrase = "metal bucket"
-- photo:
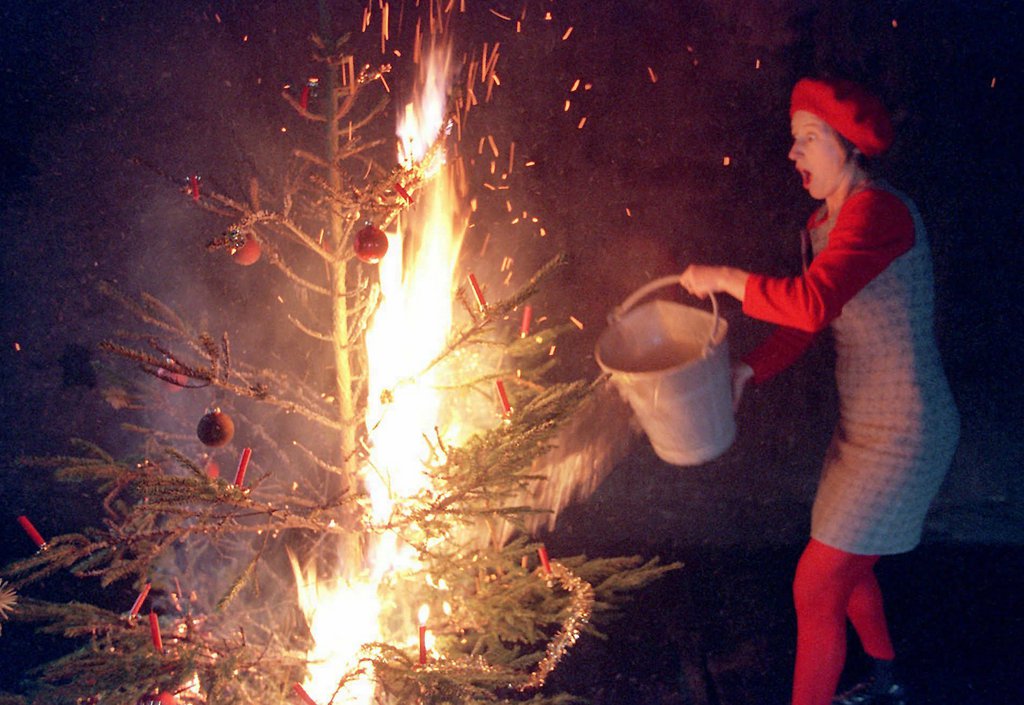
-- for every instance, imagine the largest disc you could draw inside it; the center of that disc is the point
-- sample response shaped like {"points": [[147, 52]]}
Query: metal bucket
{"points": [[671, 363]]}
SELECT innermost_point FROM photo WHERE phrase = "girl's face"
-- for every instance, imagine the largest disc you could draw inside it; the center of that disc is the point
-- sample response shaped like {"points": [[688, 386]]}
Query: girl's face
{"points": [[819, 157]]}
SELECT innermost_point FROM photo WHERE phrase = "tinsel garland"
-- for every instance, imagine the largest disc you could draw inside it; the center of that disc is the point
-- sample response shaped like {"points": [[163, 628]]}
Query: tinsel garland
{"points": [[581, 606], [580, 609]]}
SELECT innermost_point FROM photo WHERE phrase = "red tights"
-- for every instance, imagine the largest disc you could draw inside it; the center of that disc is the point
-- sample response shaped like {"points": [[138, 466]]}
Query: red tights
{"points": [[831, 585]]}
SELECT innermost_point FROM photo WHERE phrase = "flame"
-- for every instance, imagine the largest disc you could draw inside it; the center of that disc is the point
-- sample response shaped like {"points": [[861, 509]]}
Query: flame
{"points": [[341, 619], [404, 416]]}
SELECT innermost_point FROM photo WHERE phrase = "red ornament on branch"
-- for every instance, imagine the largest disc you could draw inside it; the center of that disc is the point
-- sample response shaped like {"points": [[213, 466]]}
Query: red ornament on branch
{"points": [[400, 190], [212, 469], [524, 326], [175, 380], [164, 698], [215, 429], [154, 632], [371, 244], [301, 693], [248, 252], [542, 552], [139, 600], [311, 84], [243, 463], [478, 292], [506, 407], [33, 534]]}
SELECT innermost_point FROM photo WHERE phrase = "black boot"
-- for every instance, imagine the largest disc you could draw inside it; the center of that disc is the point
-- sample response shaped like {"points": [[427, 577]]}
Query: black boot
{"points": [[881, 688]]}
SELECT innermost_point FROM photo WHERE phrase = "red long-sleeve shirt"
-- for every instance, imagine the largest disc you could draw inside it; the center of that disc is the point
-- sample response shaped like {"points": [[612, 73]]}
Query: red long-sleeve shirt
{"points": [[872, 229]]}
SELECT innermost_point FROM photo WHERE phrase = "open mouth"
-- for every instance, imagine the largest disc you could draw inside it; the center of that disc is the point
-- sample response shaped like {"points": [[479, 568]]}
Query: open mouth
{"points": [[805, 177]]}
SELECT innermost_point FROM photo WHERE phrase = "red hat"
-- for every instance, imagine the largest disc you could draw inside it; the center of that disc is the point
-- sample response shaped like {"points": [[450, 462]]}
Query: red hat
{"points": [[850, 110]]}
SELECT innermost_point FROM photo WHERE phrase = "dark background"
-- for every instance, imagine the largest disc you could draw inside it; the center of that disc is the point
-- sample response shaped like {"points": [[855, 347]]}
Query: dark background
{"points": [[94, 93]]}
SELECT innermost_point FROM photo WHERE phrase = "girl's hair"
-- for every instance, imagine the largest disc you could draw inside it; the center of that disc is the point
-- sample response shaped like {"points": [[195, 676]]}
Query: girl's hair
{"points": [[852, 153]]}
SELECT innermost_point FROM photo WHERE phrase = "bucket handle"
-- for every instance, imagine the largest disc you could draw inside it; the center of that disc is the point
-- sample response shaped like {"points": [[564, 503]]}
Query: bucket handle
{"points": [[638, 295]]}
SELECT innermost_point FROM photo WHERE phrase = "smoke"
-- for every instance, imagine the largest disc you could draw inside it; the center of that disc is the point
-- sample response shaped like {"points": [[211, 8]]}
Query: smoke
{"points": [[599, 435]]}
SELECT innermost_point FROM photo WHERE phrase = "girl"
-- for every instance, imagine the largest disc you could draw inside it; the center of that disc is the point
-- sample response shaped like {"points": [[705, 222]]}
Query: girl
{"points": [[867, 274]]}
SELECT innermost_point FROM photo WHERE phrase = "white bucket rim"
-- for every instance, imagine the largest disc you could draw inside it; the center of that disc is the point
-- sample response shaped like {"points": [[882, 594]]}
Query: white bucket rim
{"points": [[627, 307]]}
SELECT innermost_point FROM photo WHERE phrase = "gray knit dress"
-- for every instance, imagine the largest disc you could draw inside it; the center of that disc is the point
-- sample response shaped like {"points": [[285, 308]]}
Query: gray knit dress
{"points": [[898, 425]]}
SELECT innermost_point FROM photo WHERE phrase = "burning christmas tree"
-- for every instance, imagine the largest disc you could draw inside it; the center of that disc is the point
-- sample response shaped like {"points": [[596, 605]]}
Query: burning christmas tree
{"points": [[372, 542]]}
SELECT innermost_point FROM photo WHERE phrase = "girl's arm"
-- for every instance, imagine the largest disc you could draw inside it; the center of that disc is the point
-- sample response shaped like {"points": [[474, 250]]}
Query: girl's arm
{"points": [[873, 228]]}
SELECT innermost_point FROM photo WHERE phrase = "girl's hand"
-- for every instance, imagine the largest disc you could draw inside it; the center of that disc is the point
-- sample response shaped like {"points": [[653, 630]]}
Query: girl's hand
{"points": [[702, 279], [699, 280]]}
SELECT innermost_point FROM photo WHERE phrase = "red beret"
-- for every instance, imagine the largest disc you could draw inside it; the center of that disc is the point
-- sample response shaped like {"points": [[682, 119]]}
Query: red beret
{"points": [[850, 110]]}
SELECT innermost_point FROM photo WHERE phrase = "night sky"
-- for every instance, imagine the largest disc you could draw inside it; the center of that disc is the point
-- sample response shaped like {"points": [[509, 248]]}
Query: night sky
{"points": [[108, 107]]}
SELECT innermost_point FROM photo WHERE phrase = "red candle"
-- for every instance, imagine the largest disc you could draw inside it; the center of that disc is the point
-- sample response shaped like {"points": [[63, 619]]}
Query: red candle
{"points": [[303, 695], [154, 631], [503, 397], [138, 601], [403, 193], [543, 553], [36, 537], [243, 463], [478, 292], [304, 97], [194, 184], [424, 614], [524, 327]]}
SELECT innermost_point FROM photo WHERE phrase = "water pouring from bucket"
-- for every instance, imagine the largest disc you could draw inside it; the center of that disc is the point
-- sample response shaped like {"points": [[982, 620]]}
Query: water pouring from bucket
{"points": [[671, 363]]}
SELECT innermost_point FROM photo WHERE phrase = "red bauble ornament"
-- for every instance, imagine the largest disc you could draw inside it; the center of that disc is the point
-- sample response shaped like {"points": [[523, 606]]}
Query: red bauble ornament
{"points": [[175, 380], [371, 244], [248, 253], [164, 698], [212, 469], [215, 428]]}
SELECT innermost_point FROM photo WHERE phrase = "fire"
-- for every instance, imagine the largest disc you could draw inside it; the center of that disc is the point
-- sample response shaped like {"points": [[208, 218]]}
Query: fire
{"points": [[404, 417]]}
